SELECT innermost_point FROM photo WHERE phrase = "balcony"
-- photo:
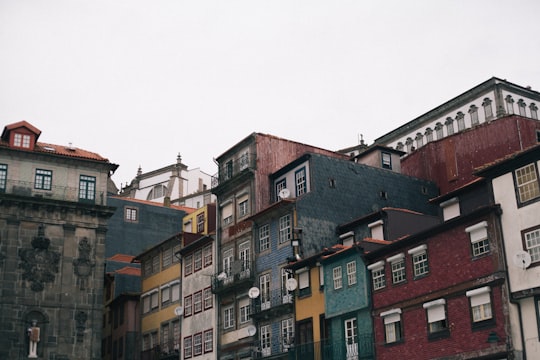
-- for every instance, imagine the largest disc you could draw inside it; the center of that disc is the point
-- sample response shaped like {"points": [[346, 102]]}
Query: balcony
{"points": [[360, 349], [27, 189], [272, 303], [239, 275], [232, 168], [165, 351]]}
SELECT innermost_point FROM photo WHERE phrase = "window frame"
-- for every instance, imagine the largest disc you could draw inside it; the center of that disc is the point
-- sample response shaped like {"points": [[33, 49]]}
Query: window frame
{"points": [[337, 277], [208, 298], [300, 179], [535, 183], [87, 188], [207, 255], [228, 317], [131, 214], [393, 330], [43, 179], [398, 268], [284, 229], [188, 305], [197, 302], [208, 334], [484, 307], [433, 310], [188, 265], [3, 177], [197, 344], [264, 237], [535, 255], [386, 160], [188, 347], [419, 261], [351, 273]]}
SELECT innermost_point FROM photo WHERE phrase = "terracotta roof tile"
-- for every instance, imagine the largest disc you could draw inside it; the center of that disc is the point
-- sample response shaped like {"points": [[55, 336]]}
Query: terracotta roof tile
{"points": [[127, 270], [122, 258]]}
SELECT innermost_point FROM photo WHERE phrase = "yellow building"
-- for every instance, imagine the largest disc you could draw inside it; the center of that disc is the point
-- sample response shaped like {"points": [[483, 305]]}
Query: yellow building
{"points": [[311, 325]]}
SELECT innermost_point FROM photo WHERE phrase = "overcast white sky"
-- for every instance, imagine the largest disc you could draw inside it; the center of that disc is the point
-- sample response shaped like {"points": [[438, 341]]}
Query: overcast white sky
{"points": [[139, 81]]}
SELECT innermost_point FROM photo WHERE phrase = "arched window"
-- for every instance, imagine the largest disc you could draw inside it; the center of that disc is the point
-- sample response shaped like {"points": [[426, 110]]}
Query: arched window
{"points": [[419, 140], [429, 135], [509, 104], [488, 110], [449, 126], [473, 112], [409, 143], [158, 191], [439, 130], [460, 118], [534, 111], [521, 107]]}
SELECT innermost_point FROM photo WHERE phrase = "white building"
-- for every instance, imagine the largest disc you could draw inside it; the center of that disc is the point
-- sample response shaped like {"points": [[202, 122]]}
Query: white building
{"points": [[516, 188]]}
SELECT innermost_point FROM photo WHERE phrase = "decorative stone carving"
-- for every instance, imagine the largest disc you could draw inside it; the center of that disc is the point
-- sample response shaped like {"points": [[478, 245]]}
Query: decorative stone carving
{"points": [[82, 266], [39, 264]]}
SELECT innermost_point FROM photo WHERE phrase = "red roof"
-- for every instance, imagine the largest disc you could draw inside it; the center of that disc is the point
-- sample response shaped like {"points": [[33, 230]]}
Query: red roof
{"points": [[122, 258], [129, 271]]}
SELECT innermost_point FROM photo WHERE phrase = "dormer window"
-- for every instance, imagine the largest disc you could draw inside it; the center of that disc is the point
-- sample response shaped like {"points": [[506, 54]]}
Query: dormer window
{"points": [[21, 140]]}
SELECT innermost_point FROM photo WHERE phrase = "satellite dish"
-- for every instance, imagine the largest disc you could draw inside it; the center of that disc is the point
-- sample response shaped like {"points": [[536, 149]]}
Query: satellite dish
{"points": [[251, 329], [222, 276], [291, 284], [253, 293], [179, 310], [522, 259], [284, 194]]}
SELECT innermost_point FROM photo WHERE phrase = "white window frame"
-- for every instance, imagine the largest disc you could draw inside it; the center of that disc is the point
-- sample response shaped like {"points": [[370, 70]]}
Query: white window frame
{"points": [[337, 277], [420, 261], [392, 325], [264, 237], [378, 276], [284, 228], [397, 264], [478, 236], [300, 181], [531, 241], [351, 273], [528, 187], [228, 317]]}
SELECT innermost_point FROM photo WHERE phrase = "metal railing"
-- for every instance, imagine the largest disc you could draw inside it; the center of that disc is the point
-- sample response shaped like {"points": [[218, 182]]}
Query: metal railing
{"points": [[361, 348], [272, 299], [240, 272], [27, 188], [230, 169]]}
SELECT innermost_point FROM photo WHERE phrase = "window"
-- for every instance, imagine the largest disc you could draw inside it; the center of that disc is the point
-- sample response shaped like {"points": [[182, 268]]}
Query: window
{"points": [[436, 316], [197, 344], [197, 302], [419, 260], [265, 334], [227, 261], [188, 303], [522, 107], [243, 207], [165, 295], [244, 313], [227, 213], [264, 238], [531, 240], [146, 304], [300, 178], [166, 257], [208, 298], [200, 223], [3, 177], [244, 251], [488, 110], [351, 273], [351, 338], [228, 317], [175, 291], [188, 350], [534, 111], [398, 268], [207, 255], [284, 229], [21, 140], [209, 341], [228, 170], [287, 333], [154, 300], [473, 113], [165, 336], [188, 265], [280, 185], [392, 325], [419, 140], [460, 118], [175, 251], [509, 104], [480, 301], [429, 134], [130, 214], [87, 187], [479, 238], [449, 126], [43, 179], [377, 275], [439, 130], [285, 276], [264, 284], [386, 159], [158, 191], [303, 284], [155, 263], [336, 274], [377, 230], [527, 183], [197, 260]]}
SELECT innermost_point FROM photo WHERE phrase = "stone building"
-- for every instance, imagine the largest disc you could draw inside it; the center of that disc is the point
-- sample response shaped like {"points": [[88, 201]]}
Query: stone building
{"points": [[53, 220]]}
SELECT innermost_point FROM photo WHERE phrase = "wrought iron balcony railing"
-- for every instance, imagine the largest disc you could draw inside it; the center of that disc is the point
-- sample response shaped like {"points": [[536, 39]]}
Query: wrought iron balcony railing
{"points": [[231, 168], [272, 299], [240, 273], [56, 192]]}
